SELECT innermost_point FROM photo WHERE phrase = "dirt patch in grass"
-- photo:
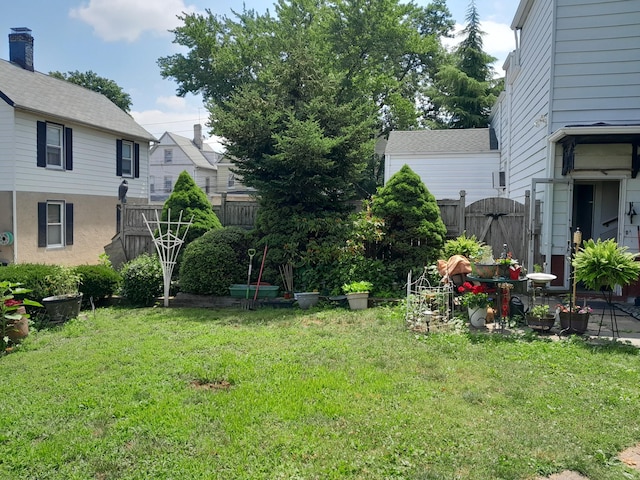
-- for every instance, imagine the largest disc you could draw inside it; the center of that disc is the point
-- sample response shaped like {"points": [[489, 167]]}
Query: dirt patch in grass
{"points": [[215, 385], [630, 457]]}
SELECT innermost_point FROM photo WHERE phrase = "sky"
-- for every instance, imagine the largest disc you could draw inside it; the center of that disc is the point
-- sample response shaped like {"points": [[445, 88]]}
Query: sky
{"points": [[122, 40]]}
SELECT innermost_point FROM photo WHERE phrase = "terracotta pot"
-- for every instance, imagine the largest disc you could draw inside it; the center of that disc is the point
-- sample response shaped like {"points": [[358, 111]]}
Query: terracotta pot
{"points": [[18, 329]]}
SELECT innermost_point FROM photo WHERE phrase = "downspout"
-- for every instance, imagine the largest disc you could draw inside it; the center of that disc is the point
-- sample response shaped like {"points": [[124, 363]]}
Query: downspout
{"points": [[14, 212]]}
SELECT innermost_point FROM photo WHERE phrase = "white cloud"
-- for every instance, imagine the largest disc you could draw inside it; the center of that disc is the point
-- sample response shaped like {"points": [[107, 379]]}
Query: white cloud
{"points": [[116, 20], [173, 102]]}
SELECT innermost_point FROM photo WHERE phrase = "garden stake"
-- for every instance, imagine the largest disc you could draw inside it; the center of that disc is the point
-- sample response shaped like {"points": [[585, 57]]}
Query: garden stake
{"points": [[264, 255], [245, 302]]}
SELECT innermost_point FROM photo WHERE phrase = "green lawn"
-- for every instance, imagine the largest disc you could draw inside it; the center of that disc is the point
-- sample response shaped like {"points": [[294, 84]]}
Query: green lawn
{"points": [[277, 394]]}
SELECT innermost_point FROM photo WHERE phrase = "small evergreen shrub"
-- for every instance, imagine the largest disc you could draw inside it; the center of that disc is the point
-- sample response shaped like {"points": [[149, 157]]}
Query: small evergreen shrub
{"points": [[34, 276], [98, 281], [215, 261], [142, 280]]}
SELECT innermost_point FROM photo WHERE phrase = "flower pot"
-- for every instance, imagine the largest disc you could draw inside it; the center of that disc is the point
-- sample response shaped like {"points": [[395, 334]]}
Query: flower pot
{"points": [[358, 300], [574, 322], [307, 299], [61, 308], [18, 329], [485, 270], [545, 323], [477, 316]]}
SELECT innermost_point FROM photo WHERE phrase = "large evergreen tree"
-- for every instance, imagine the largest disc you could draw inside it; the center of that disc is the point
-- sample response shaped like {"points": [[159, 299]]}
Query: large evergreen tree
{"points": [[464, 89], [300, 97]]}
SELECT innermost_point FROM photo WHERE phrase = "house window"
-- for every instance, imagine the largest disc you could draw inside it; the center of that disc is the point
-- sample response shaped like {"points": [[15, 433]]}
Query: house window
{"points": [[232, 180], [168, 155], [167, 184], [152, 184], [54, 146], [207, 185], [127, 159], [55, 224]]}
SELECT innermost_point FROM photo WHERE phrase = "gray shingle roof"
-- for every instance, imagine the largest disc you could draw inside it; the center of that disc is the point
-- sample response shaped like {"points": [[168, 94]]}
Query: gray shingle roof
{"points": [[193, 152], [42, 94], [441, 141]]}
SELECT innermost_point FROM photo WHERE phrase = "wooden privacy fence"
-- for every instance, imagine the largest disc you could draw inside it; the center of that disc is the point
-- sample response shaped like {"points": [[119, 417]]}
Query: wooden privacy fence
{"points": [[493, 220]]}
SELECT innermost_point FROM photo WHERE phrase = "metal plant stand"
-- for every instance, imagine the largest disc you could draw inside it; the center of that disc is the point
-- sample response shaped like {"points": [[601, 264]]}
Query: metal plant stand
{"points": [[168, 244], [608, 295]]}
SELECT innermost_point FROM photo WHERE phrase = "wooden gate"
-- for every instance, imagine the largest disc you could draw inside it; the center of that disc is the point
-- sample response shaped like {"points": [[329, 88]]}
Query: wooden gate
{"points": [[496, 221]]}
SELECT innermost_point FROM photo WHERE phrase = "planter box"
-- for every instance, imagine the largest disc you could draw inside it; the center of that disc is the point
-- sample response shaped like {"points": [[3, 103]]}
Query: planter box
{"points": [[541, 323], [577, 323], [358, 300], [307, 299], [61, 308], [265, 291], [485, 270]]}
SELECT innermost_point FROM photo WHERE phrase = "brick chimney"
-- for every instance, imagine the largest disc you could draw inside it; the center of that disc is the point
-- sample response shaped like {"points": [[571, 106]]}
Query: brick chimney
{"points": [[21, 47], [197, 136]]}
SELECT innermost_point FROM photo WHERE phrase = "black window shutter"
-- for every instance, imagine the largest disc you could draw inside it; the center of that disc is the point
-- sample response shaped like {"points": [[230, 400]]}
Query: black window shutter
{"points": [[136, 160], [42, 224], [68, 218], [41, 145], [119, 158], [68, 149]]}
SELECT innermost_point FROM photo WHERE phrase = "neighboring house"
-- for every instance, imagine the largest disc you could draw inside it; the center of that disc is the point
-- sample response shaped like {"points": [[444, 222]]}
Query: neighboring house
{"points": [[568, 122], [64, 151], [174, 154], [448, 161], [568, 126]]}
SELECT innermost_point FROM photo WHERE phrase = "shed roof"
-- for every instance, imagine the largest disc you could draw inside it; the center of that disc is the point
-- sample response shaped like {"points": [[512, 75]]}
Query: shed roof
{"points": [[45, 95], [469, 140]]}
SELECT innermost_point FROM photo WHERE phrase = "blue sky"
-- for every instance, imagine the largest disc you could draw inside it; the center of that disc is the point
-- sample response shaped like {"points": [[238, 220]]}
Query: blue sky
{"points": [[122, 40]]}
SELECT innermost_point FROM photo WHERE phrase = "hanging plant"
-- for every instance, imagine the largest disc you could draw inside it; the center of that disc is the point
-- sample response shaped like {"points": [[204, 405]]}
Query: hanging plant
{"points": [[605, 264]]}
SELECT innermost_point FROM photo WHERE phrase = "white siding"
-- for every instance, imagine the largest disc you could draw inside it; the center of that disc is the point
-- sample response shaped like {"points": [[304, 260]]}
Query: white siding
{"points": [[597, 62], [6, 147], [94, 163], [522, 142], [446, 175]]}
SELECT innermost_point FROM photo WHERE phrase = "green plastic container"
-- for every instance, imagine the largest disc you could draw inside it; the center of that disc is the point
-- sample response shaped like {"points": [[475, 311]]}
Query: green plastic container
{"points": [[265, 291]]}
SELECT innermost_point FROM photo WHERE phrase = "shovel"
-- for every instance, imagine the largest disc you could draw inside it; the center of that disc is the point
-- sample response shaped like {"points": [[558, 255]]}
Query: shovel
{"points": [[246, 305]]}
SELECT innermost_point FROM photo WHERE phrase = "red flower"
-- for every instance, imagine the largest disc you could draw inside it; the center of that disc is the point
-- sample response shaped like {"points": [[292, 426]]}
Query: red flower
{"points": [[12, 303], [467, 287]]}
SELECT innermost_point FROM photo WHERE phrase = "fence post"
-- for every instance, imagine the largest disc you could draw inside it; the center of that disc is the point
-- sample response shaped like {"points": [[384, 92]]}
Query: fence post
{"points": [[461, 212], [223, 208]]}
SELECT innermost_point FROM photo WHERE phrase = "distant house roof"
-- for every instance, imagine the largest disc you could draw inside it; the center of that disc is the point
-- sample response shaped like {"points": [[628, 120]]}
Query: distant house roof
{"points": [[204, 158], [469, 140], [42, 94]]}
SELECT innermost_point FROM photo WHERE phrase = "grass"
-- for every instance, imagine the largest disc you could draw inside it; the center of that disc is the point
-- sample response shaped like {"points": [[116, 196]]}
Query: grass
{"points": [[269, 394]]}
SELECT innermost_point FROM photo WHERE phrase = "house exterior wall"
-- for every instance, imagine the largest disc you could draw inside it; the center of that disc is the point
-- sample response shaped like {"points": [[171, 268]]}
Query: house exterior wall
{"points": [[525, 100], [596, 63], [92, 187], [94, 163], [159, 170], [447, 174], [94, 226]]}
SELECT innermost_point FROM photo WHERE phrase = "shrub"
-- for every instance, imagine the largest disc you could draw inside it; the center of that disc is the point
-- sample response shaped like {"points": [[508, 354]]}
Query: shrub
{"points": [[215, 261], [36, 277], [98, 281], [142, 280], [468, 247]]}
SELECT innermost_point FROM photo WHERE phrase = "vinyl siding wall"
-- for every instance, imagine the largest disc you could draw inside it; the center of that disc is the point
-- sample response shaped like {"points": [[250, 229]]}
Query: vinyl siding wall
{"points": [[447, 174], [597, 62]]}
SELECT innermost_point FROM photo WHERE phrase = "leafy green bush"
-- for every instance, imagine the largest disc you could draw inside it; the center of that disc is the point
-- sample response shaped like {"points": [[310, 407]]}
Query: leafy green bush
{"points": [[37, 277], [98, 281], [215, 261], [142, 280], [468, 247]]}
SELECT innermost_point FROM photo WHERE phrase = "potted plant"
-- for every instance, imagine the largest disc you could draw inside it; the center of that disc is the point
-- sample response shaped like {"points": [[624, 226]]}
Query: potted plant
{"points": [[483, 264], [14, 319], [573, 318], [476, 299], [539, 318], [65, 298], [603, 264], [357, 294]]}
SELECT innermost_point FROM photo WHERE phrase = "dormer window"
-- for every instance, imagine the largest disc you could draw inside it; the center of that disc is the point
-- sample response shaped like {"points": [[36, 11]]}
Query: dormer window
{"points": [[168, 155]]}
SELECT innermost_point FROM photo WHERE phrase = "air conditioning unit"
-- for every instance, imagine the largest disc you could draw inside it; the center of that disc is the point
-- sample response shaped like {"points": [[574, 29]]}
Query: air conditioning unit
{"points": [[499, 180]]}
